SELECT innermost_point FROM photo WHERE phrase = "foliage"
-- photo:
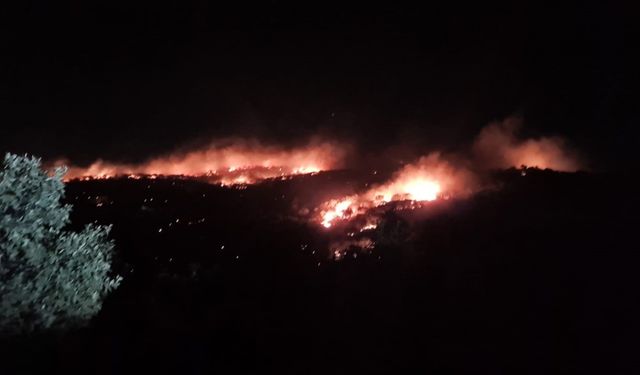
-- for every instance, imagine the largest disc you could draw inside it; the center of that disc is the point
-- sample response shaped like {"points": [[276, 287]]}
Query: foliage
{"points": [[49, 278]]}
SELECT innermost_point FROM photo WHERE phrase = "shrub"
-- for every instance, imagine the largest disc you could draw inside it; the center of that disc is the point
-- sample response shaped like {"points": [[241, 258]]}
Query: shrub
{"points": [[49, 278]]}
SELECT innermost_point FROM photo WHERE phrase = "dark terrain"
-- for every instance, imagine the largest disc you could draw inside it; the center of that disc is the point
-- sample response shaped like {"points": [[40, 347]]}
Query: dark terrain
{"points": [[537, 276]]}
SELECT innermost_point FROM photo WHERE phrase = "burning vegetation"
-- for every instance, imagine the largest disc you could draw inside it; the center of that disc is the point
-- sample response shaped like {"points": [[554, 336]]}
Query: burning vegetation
{"points": [[437, 177], [428, 179], [441, 177], [353, 218], [236, 163]]}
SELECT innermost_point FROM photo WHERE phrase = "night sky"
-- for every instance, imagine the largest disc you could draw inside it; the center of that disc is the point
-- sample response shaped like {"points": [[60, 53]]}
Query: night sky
{"points": [[125, 82]]}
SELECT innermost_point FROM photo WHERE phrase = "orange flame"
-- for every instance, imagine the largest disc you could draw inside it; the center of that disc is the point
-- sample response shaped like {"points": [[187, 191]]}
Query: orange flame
{"points": [[243, 162], [428, 179]]}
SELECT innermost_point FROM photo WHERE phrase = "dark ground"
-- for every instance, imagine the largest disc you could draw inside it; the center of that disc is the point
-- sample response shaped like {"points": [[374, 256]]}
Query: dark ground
{"points": [[537, 277]]}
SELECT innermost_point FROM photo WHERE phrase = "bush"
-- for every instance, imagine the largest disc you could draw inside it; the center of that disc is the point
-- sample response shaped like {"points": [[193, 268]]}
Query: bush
{"points": [[49, 278]]}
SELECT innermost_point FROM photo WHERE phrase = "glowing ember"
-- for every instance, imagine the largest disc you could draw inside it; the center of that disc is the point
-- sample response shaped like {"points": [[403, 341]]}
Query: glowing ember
{"points": [[341, 248], [369, 226], [242, 162]]}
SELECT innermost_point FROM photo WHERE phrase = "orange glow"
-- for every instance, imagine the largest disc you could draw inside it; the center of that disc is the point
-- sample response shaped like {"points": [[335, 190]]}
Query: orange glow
{"points": [[415, 188], [422, 190], [428, 179], [497, 146], [242, 162], [339, 209], [339, 249]]}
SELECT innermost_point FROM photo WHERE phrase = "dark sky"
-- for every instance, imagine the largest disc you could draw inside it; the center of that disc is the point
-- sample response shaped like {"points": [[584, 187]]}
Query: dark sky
{"points": [[89, 79]]}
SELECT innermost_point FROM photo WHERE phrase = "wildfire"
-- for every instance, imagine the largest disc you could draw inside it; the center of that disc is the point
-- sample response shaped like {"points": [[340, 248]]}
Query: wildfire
{"points": [[339, 210], [497, 146], [351, 220], [355, 223], [242, 162], [427, 180], [418, 188]]}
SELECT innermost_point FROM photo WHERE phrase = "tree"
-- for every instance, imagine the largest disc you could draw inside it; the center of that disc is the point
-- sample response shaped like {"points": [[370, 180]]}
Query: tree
{"points": [[50, 278]]}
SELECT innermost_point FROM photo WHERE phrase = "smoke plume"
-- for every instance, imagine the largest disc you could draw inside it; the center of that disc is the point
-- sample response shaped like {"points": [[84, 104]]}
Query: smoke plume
{"points": [[228, 162], [497, 146]]}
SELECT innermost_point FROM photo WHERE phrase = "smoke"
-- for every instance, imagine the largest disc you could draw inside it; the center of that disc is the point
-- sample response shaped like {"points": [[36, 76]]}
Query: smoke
{"points": [[438, 176], [497, 146], [430, 178], [248, 160], [426, 179], [229, 161]]}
